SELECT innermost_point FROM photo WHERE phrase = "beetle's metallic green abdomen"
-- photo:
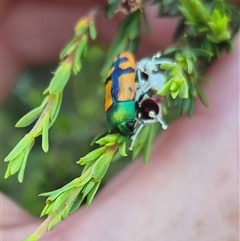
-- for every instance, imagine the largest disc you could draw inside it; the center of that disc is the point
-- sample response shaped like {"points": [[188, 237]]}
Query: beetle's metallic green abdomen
{"points": [[121, 116]]}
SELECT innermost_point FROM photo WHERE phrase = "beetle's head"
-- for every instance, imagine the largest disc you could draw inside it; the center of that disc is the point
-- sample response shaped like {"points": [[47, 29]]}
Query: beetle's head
{"points": [[126, 127]]}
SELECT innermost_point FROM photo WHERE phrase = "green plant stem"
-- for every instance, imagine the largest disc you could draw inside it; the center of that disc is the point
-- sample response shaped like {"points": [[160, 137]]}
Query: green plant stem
{"points": [[41, 229]]}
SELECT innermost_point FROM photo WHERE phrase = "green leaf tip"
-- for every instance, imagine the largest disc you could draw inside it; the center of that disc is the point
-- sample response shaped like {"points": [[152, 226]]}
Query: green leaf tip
{"points": [[92, 155], [22, 144], [122, 149], [92, 30], [92, 193], [30, 117], [45, 127], [18, 157]]}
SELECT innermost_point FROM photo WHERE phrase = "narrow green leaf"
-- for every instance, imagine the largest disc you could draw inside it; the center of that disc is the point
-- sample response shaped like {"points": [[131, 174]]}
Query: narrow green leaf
{"points": [[134, 28], [203, 53], [92, 193], [46, 91], [185, 105], [202, 96], [55, 108], [190, 66], [48, 207], [60, 200], [54, 194], [76, 67], [68, 49], [110, 144], [169, 101], [91, 155], [121, 139], [87, 188], [174, 86], [78, 201], [130, 26], [133, 45], [139, 145], [79, 53], [180, 80], [146, 25], [45, 127], [192, 89], [167, 66], [137, 150], [30, 117], [122, 149], [66, 210], [46, 210], [164, 107], [25, 141], [171, 50], [165, 89], [101, 166], [184, 90], [174, 94], [112, 138], [191, 108], [60, 77], [149, 141], [24, 162], [92, 30]]}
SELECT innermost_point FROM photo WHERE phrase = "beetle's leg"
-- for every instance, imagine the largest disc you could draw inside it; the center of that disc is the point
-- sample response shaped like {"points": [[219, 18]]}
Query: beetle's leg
{"points": [[146, 122], [135, 135], [157, 118], [142, 85]]}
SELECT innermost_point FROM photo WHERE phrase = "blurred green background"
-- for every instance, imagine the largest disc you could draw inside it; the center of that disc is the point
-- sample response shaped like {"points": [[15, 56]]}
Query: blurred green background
{"points": [[80, 120]]}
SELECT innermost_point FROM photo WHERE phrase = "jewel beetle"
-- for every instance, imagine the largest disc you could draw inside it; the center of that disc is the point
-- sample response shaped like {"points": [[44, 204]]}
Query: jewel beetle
{"points": [[120, 91]]}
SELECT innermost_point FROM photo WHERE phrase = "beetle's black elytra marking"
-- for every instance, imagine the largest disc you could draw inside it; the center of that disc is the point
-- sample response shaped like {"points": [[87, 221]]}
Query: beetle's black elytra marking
{"points": [[116, 74]]}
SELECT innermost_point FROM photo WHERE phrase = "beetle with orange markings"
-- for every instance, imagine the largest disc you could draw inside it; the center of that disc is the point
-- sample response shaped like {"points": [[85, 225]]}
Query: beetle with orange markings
{"points": [[131, 99], [120, 90]]}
